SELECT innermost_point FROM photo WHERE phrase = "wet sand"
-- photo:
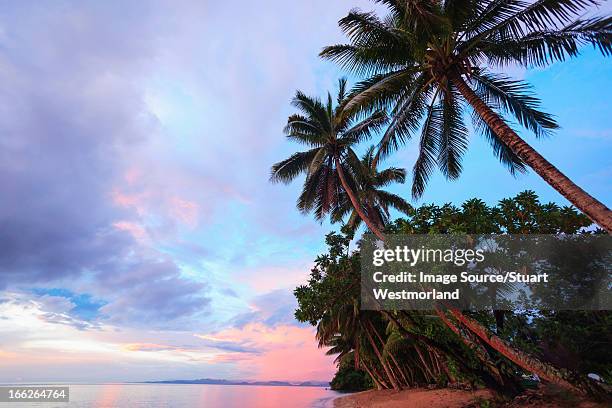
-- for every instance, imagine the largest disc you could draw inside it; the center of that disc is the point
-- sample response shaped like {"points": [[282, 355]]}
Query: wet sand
{"points": [[415, 398]]}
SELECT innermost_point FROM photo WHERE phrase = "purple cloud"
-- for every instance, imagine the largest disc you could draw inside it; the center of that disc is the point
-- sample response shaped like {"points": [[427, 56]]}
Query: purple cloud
{"points": [[74, 115], [273, 308]]}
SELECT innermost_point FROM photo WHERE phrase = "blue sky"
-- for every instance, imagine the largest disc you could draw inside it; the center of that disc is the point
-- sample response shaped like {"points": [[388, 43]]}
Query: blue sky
{"points": [[140, 236]]}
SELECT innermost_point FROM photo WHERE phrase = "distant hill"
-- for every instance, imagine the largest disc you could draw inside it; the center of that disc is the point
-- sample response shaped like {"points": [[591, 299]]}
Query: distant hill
{"points": [[237, 382]]}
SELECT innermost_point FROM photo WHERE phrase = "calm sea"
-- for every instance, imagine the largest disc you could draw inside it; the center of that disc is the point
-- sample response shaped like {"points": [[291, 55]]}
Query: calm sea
{"points": [[189, 396]]}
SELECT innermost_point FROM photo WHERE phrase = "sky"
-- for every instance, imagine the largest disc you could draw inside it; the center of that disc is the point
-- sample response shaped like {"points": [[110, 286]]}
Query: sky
{"points": [[140, 238]]}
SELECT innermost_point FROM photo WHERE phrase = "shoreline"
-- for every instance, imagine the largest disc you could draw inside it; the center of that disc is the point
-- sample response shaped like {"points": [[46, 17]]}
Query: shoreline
{"points": [[543, 397], [414, 398]]}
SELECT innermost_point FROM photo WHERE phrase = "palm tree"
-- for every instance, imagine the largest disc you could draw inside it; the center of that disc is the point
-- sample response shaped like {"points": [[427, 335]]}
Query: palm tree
{"points": [[371, 194], [330, 132], [343, 327], [426, 60]]}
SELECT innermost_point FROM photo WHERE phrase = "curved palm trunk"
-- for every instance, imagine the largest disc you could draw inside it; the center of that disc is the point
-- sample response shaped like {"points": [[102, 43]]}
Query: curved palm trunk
{"points": [[380, 358], [381, 378], [489, 380], [411, 375], [399, 368], [593, 208], [374, 379], [431, 377], [355, 202], [477, 348], [444, 364], [524, 360]]}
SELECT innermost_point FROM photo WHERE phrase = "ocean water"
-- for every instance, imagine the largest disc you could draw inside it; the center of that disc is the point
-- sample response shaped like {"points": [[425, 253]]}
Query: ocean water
{"points": [[188, 396]]}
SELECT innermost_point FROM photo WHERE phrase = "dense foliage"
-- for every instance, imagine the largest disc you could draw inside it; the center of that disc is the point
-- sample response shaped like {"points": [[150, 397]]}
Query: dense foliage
{"points": [[416, 348], [349, 379]]}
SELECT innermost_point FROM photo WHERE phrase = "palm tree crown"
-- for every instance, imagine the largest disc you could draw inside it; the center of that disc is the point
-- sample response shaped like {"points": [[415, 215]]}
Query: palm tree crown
{"points": [[330, 132], [426, 59]]}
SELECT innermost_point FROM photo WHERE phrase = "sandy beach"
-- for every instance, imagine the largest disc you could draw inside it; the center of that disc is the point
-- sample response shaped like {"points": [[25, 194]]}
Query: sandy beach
{"points": [[544, 397], [415, 398]]}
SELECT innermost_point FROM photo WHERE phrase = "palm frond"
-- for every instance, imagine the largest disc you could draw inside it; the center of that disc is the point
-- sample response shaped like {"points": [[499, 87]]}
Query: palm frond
{"points": [[287, 170], [381, 91], [516, 98], [306, 199], [428, 148], [364, 129], [396, 7], [343, 208], [406, 116], [505, 155], [462, 13], [366, 60], [302, 130], [313, 108], [541, 48], [317, 161], [354, 167], [395, 201], [375, 45], [342, 91], [514, 19], [414, 14], [390, 175], [365, 28], [327, 188], [454, 136]]}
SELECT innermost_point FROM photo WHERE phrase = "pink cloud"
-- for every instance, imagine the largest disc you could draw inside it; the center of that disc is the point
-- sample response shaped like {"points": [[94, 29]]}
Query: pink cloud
{"points": [[151, 347], [185, 211], [264, 279], [149, 203], [286, 352], [132, 175], [6, 355], [137, 202], [136, 230]]}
